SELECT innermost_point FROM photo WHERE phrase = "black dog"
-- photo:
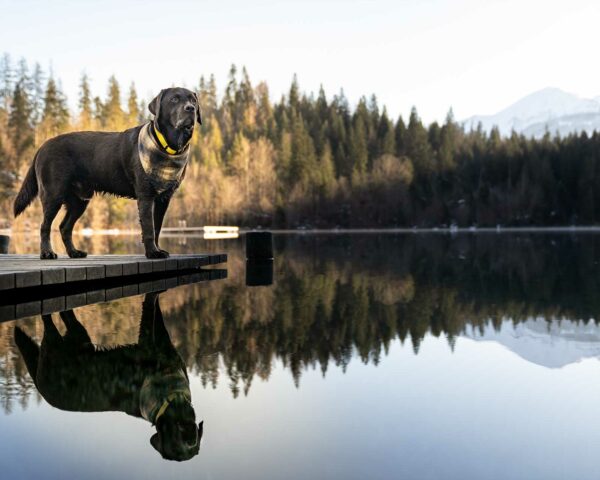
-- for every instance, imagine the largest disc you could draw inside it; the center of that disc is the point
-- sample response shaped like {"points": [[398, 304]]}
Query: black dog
{"points": [[146, 163], [148, 379]]}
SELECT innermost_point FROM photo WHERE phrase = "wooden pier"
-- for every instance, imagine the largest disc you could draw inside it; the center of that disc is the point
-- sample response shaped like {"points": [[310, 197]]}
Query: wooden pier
{"points": [[21, 271], [30, 286]]}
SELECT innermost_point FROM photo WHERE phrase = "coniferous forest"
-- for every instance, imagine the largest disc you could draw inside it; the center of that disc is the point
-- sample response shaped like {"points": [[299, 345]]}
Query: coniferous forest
{"points": [[307, 160]]}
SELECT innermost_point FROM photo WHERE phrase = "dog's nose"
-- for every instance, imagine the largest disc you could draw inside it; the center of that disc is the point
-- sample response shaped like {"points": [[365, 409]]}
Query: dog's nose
{"points": [[189, 108]]}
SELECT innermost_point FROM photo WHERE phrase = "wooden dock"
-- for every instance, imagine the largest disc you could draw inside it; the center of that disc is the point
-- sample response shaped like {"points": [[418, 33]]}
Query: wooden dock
{"points": [[24, 271], [30, 286]]}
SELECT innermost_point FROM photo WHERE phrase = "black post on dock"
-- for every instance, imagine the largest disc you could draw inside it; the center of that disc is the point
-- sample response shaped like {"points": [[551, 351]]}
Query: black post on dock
{"points": [[4, 243], [259, 259]]}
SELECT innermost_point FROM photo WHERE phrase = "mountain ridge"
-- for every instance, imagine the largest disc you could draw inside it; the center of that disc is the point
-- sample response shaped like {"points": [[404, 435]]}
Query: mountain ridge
{"points": [[547, 110]]}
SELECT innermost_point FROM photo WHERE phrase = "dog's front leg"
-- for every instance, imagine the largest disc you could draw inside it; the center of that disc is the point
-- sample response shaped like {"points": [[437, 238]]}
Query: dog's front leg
{"points": [[160, 208], [146, 211]]}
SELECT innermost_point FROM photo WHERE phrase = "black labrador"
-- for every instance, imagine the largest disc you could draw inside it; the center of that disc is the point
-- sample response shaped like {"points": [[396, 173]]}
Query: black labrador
{"points": [[68, 169], [147, 379]]}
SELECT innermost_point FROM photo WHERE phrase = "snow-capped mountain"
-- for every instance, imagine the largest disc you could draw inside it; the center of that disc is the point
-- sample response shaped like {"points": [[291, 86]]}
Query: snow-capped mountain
{"points": [[550, 109], [551, 344]]}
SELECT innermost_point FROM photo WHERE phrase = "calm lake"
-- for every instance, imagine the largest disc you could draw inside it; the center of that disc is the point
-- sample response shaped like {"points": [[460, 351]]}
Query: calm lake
{"points": [[378, 356]]}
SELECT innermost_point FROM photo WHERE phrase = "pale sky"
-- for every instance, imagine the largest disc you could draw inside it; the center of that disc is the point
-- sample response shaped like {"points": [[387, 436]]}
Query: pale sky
{"points": [[477, 56]]}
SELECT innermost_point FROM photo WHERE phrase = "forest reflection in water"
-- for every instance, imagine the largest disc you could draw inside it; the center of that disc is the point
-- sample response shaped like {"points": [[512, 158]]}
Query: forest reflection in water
{"points": [[343, 298]]}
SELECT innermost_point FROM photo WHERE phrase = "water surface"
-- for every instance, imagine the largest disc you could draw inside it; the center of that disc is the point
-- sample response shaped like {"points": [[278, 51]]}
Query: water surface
{"points": [[370, 356]]}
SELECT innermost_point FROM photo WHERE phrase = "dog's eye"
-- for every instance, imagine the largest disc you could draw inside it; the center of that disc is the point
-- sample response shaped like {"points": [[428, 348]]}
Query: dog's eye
{"points": [[175, 99]]}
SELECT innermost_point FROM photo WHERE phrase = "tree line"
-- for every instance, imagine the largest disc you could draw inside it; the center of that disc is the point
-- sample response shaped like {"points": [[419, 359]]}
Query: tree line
{"points": [[307, 160]]}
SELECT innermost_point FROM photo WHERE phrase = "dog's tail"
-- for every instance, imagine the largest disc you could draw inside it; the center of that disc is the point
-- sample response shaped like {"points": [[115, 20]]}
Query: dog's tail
{"points": [[28, 192], [30, 351]]}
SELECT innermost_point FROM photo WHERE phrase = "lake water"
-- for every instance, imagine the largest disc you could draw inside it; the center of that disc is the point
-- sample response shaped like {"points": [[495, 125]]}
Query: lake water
{"points": [[370, 356]]}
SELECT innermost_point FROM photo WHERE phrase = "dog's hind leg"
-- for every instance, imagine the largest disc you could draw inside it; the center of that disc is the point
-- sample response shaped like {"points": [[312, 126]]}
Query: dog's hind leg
{"points": [[51, 333], [50, 205], [76, 332], [75, 208], [30, 351]]}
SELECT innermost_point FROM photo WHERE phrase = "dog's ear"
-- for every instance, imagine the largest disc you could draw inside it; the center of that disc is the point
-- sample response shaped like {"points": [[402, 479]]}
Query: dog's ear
{"points": [[198, 112], [200, 430], [154, 105], [156, 443]]}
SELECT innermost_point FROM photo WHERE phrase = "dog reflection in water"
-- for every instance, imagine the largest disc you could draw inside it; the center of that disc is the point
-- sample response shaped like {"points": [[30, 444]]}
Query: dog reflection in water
{"points": [[147, 379]]}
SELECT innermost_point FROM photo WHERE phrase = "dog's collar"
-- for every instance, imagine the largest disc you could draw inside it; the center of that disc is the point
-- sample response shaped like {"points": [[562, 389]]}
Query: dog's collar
{"points": [[167, 402], [163, 141]]}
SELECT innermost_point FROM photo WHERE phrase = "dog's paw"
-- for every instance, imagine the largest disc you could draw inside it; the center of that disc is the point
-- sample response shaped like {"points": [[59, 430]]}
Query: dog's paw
{"points": [[77, 254], [48, 255], [157, 254]]}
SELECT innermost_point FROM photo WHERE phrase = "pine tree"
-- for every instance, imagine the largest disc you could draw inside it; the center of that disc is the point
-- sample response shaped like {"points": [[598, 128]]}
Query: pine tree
{"points": [[337, 136], [400, 137], [417, 145], [212, 144], [358, 146], [211, 97], [303, 161], [6, 82], [37, 94], [385, 135], [113, 112], [134, 115], [294, 94], [247, 106], [229, 118], [448, 143], [326, 171], [372, 123], [19, 125], [85, 104], [98, 113], [322, 108], [55, 117], [24, 78]]}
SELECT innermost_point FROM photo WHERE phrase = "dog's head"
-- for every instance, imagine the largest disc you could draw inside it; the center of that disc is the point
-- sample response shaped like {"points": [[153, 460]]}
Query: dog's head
{"points": [[176, 111], [177, 436]]}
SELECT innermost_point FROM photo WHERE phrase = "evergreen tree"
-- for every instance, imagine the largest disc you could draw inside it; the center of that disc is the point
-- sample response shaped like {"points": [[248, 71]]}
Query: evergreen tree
{"points": [[86, 113], [114, 116], [265, 116], [246, 106], [385, 135], [303, 160], [358, 146], [134, 115], [55, 117], [19, 124], [400, 137], [417, 147], [37, 94], [448, 143], [99, 112], [294, 94], [326, 171], [6, 82]]}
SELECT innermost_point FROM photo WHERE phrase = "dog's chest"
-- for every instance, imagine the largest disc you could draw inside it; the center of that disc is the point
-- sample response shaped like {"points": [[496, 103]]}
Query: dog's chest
{"points": [[164, 171]]}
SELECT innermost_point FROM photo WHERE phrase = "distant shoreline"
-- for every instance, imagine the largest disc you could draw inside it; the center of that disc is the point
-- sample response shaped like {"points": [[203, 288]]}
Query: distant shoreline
{"points": [[197, 231]]}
